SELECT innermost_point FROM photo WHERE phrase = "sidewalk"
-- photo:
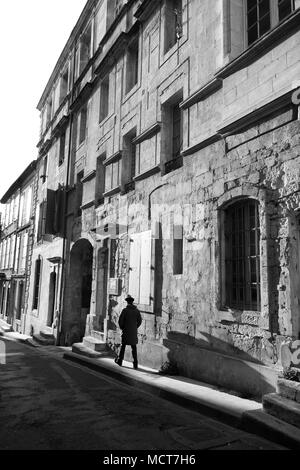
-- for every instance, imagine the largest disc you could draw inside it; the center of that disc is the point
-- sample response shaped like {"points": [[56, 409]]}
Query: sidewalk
{"points": [[241, 413]]}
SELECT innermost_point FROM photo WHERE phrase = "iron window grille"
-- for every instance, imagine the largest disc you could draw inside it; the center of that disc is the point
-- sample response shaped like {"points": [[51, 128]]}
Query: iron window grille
{"points": [[242, 256]]}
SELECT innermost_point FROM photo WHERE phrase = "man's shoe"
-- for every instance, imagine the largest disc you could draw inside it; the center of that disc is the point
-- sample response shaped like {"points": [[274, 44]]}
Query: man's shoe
{"points": [[135, 365], [117, 361]]}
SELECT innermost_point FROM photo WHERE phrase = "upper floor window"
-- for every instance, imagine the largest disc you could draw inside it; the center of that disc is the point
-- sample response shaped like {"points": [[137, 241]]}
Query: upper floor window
{"points": [[64, 84], [174, 134], [49, 110], [113, 175], [173, 22], [100, 180], [262, 15], [81, 124], [129, 158], [85, 48], [132, 64], [62, 145], [242, 256], [104, 98]]}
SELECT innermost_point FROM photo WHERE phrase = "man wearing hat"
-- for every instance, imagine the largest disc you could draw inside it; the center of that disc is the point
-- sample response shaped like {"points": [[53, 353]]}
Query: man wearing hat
{"points": [[129, 322]]}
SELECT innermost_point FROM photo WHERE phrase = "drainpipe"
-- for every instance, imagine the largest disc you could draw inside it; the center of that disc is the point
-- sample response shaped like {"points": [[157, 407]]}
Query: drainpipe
{"points": [[64, 249]]}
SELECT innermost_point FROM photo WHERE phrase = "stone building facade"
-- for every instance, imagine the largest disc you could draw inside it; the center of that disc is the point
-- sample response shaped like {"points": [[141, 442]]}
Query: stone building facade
{"points": [[16, 242], [169, 169]]}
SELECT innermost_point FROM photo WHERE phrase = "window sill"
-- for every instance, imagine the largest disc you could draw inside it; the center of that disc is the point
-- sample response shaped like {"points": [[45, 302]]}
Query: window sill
{"points": [[146, 174], [131, 92], [275, 36], [113, 158], [112, 192]]}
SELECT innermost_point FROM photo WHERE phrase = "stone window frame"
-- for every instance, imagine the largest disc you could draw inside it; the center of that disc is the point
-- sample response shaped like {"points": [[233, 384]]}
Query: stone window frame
{"points": [[230, 197], [235, 25]]}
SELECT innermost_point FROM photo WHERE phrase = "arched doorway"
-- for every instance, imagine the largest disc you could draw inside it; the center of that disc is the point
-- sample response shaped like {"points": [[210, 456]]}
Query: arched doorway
{"points": [[79, 289]]}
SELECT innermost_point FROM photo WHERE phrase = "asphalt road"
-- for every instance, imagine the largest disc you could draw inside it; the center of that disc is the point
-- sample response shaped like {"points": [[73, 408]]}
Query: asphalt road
{"points": [[47, 403]]}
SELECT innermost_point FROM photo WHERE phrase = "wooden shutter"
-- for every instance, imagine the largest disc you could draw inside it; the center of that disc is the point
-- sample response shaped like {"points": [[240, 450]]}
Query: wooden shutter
{"points": [[134, 268], [145, 270]]}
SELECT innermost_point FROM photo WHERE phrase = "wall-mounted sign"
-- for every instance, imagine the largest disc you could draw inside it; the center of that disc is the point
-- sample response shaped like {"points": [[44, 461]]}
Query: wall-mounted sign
{"points": [[114, 286]]}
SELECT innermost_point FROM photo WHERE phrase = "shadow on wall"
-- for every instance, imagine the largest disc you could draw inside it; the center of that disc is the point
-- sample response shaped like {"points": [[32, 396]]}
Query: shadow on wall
{"points": [[207, 361]]}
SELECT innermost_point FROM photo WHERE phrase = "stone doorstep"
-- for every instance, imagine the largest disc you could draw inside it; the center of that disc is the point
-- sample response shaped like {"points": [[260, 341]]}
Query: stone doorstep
{"points": [[44, 341], [5, 327], [47, 333], [289, 389], [283, 408], [80, 348], [94, 344]]}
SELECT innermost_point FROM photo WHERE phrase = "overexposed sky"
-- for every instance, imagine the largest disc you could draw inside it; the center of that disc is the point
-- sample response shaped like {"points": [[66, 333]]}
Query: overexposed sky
{"points": [[32, 36]]}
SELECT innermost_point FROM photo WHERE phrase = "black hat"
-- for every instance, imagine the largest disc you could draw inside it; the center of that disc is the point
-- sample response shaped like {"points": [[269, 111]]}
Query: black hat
{"points": [[129, 298]]}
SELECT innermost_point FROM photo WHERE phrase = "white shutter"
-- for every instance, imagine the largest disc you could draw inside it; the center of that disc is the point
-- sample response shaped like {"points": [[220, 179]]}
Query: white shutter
{"points": [[134, 268], [145, 274]]}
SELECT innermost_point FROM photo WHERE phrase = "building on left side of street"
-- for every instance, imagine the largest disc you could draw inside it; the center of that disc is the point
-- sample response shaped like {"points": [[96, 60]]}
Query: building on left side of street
{"points": [[17, 226]]}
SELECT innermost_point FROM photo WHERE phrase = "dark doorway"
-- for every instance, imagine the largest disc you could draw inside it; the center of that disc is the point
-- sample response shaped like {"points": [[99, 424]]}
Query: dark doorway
{"points": [[52, 297], [79, 289]]}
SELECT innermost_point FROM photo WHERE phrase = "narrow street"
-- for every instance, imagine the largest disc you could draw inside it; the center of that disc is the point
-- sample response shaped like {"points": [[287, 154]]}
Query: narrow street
{"points": [[47, 403]]}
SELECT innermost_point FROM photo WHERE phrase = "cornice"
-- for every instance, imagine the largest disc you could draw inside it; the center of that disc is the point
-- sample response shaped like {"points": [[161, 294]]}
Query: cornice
{"points": [[146, 8]]}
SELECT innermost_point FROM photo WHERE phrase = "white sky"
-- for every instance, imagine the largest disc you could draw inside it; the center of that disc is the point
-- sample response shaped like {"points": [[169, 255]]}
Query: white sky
{"points": [[33, 33]]}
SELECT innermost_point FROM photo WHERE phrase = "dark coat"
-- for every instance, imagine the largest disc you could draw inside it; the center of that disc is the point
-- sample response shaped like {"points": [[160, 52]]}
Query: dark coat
{"points": [[129, 321]]}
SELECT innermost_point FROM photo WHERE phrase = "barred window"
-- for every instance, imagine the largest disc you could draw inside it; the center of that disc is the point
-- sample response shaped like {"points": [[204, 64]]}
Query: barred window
{"points": [[242, 256]]}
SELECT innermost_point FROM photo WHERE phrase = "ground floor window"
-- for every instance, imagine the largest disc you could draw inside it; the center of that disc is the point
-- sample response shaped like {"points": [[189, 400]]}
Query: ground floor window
{"points": [[242, 256]]}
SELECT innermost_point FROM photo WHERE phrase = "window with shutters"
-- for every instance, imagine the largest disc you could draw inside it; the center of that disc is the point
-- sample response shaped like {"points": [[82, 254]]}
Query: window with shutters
{"points": [[173, 23], [37, 281], [242, 256], [140, 267]]}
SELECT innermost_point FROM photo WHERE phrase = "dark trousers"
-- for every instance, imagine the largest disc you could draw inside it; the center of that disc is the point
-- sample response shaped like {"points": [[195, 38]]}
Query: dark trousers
{"points": [[134, 353]]}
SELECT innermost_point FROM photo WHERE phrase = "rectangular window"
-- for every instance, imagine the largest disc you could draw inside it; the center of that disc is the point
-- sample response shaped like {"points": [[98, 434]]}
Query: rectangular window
{"points": [[100, 180], [129, 158], [85, 48], [37, 280], [24, 251], [62, 145], [82, 121], [132, 64], [173, 23], [79, 191], [16, 261], [113, 175], [285, 7], [242, 256], [177, 249], [49, 110], [174, 136], [64, 83], [104, 98]]}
